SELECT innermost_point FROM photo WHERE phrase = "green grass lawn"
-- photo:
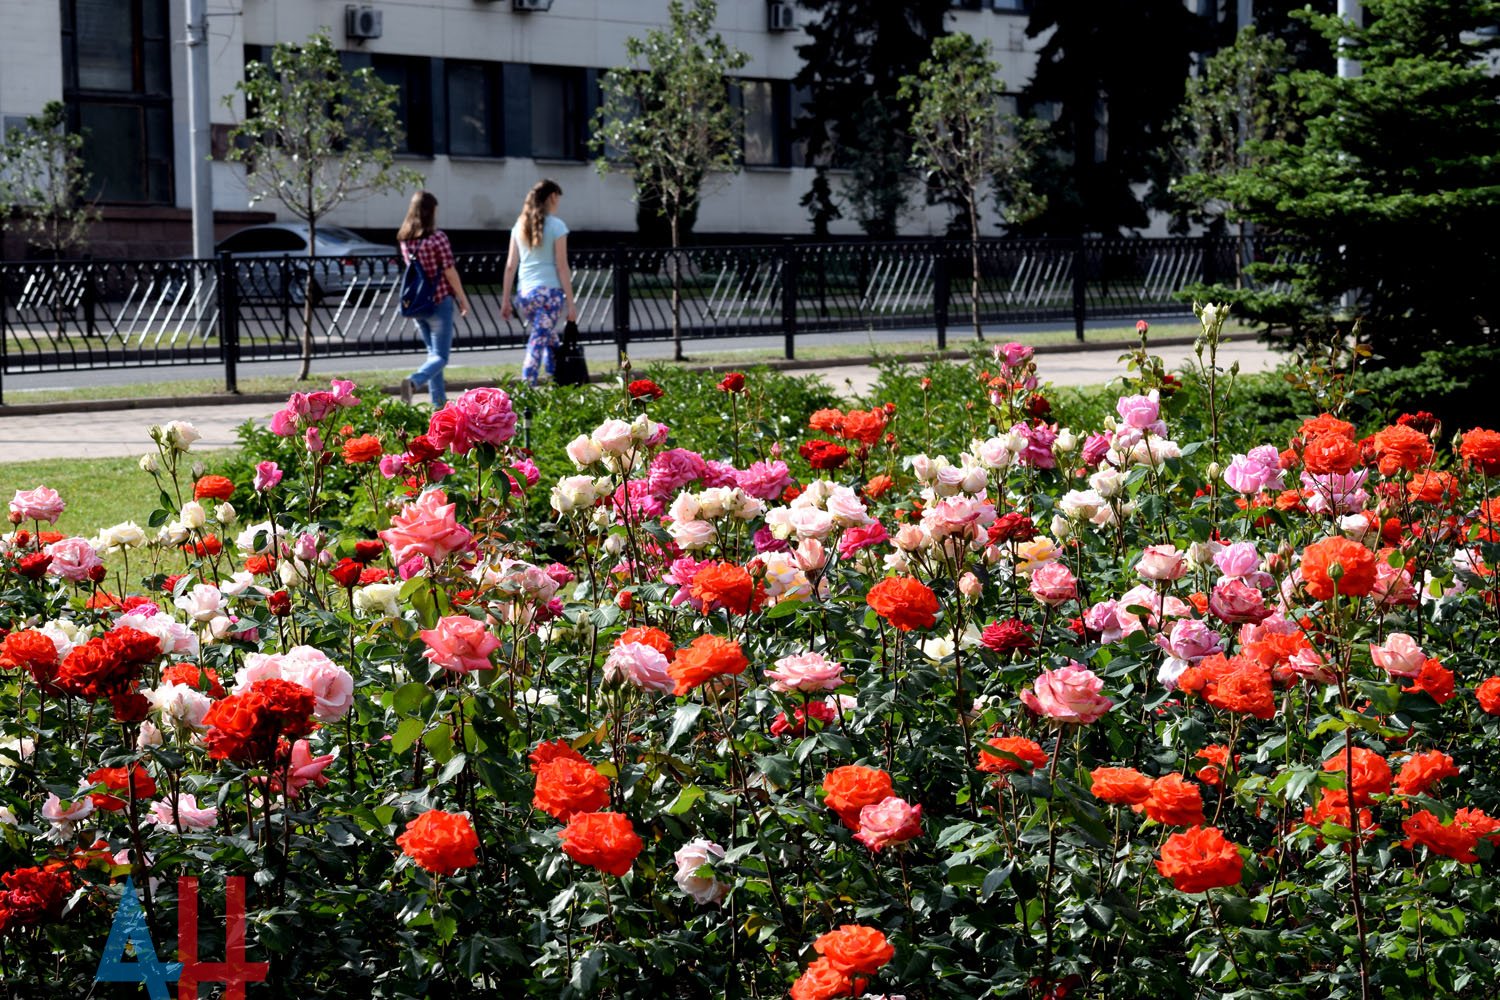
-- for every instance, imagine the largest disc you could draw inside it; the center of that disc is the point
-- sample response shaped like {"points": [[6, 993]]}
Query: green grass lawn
{"points": [[99, 492]]}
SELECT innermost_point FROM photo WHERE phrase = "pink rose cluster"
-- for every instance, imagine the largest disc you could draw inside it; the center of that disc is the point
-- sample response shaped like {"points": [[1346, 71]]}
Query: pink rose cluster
{"points": [[1069, 694], [1256, 471], [304, 409], [426, 529], [807, 672], [1039, 438], [459, 644], [478, 416]]}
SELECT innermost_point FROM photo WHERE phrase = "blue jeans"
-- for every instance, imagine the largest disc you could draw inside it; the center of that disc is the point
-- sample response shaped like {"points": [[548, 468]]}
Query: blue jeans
{"points": [[436, 330]]}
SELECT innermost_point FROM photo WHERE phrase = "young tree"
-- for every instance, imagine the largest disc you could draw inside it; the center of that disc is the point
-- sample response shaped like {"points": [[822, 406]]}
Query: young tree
{"points": [[960, 138], [315, 137], [666, 119], [43, 181], [852, 64], [1392, 181]]}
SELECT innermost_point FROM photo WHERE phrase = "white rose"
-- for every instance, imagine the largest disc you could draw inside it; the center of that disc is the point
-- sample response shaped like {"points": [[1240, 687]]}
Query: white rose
{"points": [[1066, 443], [255, 540], [179, 435], [691, 857], [148, 464], [583, 451], [1080, 504], [125, 535], [378, 599], [225, 514], [613, 437], [180, 704], [201, 603], [193, 515], [1108, 483]]}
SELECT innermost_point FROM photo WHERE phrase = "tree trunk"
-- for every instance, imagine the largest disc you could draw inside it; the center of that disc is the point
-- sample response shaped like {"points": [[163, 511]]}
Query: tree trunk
{"points": [[307, 291], [676, 266], [974, 266]]}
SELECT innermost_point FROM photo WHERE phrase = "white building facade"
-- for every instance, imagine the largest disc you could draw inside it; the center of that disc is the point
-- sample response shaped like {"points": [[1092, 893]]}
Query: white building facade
{"points": [[494, 96]]}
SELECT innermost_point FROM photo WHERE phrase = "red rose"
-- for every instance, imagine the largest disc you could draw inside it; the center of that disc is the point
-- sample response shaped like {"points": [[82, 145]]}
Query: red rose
{"points": [[346, 574], [1012, 527], [114, 779], [602, 840], [733, 382], [213, 488], [644, 388], [904, 602], [367, 550], [280, 604], [1008, 635], [823, 455], [441, 842]]}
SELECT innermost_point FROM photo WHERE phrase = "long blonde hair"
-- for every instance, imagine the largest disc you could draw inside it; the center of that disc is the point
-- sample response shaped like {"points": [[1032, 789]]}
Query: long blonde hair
{"points": [[421, 217], [533, 220]]}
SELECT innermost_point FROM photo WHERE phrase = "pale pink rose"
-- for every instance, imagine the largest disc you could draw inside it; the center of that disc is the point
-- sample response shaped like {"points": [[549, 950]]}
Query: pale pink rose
{"points": [[1235, 601], [811, 556], [180, 704], [1104, 619], [806, 672], [1140, 412], [1191, 640], [765, 480], [1393, 586], [63, 817], [691, 536], [583, 451], [638, 664], [426, 528], [691, 857], [1162, 563], [491, 419], [892, 820], [202, 603], [267, 475], [72, 559], [1238, 561], [613, 437], [846, 509], [185, 818], [258, 667], [1399, 655], [1336, 493], [1068, 694], [460, 644], [40, 504], [970, 586], [1053, 584], [810, 522], [909, 538], [330, 683]]}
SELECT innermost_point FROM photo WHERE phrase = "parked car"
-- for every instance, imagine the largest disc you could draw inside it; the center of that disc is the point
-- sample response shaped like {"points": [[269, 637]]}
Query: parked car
{"points": [[345, 260]]}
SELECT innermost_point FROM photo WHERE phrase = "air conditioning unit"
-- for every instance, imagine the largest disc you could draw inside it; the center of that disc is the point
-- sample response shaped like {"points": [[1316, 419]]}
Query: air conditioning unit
{"points": [[361, 23], [780, 16], [532, 5]]}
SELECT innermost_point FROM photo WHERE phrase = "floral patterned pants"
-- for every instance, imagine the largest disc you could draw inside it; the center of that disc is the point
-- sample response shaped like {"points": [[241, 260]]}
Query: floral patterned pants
{"points": [[540, 310]]}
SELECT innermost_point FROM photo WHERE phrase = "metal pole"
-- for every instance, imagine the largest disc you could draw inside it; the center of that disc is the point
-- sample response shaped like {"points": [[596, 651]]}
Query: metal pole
{"points": [[620, 272], [4, 329], [789, 296], [1351, 11], [1080, 291], [940, 280], [199, 168], [229, 319], [1244, 14]]}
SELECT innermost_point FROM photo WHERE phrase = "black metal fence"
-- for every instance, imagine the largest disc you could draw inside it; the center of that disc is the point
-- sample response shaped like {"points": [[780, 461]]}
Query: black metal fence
{"points": [[66, 316]]}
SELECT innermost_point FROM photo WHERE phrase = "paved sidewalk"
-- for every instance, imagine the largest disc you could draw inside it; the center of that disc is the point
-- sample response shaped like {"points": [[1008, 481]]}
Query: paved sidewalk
{"points": [[124, 432]]}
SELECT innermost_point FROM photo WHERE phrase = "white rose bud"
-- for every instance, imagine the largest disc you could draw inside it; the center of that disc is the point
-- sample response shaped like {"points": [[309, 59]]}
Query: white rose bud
{"points": [[1061, 526], [193, 515], [149, 464], [1066, 443], [614, 544], [225, 514]]}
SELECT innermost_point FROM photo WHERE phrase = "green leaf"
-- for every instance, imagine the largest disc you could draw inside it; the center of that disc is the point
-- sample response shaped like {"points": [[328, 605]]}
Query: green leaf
{"points": [[683, 720], [409, 697], [406, 734], [684, 800], [439, 742], [586, 972]]}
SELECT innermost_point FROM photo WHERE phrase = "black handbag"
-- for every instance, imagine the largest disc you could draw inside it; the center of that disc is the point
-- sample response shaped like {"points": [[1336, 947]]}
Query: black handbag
{"points": [[572, 369]]}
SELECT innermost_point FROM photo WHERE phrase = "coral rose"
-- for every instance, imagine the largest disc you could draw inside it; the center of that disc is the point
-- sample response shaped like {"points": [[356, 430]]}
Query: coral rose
{"points": [[427, 528], [1420, 772], [864, 426], [822, 981], [1200, 859], [1233, 684], [1401, 449], [566, 787], [1457, 839], [892, 820], [904, 602], [460, 644], [1372, 774], [705, 658], [547, 752], [1488, 695], [1029, 754], [848, 789], [855, 950], [365, 448], [1068, 694], [1481, 451], [1435, 679], [213, 488], [1121, 786], [602, 840], [1330, 453], [1173, 801], [441, 842], [1351, 562], [726, 585]]}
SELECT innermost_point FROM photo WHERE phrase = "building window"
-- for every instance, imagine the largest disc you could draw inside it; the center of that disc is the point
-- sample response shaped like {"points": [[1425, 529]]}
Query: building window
{"points": [[117, 85], [559, 113], [412, 78], [767, 109], [474, 122]]}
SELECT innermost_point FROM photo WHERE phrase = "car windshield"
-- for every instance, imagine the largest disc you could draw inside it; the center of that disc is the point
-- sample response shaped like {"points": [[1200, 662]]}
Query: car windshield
{"points": [[338, 234]]}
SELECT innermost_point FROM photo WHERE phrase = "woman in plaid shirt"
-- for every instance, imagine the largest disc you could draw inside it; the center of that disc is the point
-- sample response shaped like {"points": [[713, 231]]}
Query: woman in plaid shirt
{"points": [[420, 237], [539, 255]]}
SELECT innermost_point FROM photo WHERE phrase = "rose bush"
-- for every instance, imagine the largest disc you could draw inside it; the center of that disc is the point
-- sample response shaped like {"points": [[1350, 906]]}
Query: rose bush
{"points": [[972, 690]]}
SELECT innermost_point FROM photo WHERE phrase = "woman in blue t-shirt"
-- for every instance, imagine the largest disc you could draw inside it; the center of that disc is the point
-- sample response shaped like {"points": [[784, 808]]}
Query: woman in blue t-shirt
{"points": [[539, 253]]}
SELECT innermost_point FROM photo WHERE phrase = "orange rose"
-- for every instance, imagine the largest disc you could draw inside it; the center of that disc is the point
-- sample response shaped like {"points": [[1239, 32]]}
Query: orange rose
{"points": [[1455, 840], [1423, 770], [1173, 802], [1199, 860], [1401, 449], [362, 449], [1372, 775], [1218, 759], [1488, 695], [1356, 566], [646, 636], [878, 486], [566, 787], [1330, 453], [1481, 450], [1031, 755], [826, 421], [707, 657], [1121, 786], [821, 981], [546, 753], [904, 602], [1432, 487], [1435, 679], [441, 842], [1233, 684], [213, 488], [1325, 423], [728, 586], [864, 426], [848, 789], [855, 950], [602, 840]]}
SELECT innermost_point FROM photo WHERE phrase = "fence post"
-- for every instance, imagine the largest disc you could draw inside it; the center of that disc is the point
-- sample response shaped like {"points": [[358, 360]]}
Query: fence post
{"points": [[620, 273], [940, 286], [4, 324], [229, 321], [789, 296], [1080, 290]]}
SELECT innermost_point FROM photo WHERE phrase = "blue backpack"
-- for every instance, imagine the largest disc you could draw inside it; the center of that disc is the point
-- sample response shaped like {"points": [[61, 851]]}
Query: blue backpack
{"points": [[418, 291]]}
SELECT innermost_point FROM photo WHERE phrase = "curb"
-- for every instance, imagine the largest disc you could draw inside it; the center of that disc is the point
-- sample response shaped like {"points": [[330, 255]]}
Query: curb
{"points": [[225, 399]]}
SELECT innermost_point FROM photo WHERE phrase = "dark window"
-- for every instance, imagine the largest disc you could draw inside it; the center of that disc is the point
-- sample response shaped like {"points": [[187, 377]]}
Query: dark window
{"points": [[767, 108], [412, 78], [559, 113], [474, 123], [117, 83], [263, 241]]}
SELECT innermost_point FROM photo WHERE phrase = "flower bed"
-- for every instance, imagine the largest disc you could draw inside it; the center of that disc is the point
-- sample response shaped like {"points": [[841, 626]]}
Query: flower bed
{"points": [[935, 698]]}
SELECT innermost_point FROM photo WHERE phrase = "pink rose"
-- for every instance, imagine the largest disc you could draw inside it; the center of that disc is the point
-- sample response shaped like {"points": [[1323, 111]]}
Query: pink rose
{"points": [[765, 480], [284, 422], [1256, 471], [185, 817], [1399, 656], [343, 393], [890, 821], [690, 858], [40, 504], [306, 769], [1235, 601], [1038, 451], [1238, 561], [1140, 412], [1393, 586], [970, 586], [717, 474], [1013, 353], [449, 429], [330, 683], [1162, 563], [460, 644], [806, 672], [811, 555], [491, 418], [528, 470], [72, 559], [1095, 448], [1052, 584], [267, 475], [639, 664], [1111, 621], [427, 528], [1191, 640], [862, 538], [673, 469], [1336, 493], [1068, 694]]}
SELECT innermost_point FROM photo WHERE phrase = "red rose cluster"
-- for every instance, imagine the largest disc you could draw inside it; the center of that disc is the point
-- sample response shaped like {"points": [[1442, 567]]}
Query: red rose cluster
{"points": [[247, 727]]}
